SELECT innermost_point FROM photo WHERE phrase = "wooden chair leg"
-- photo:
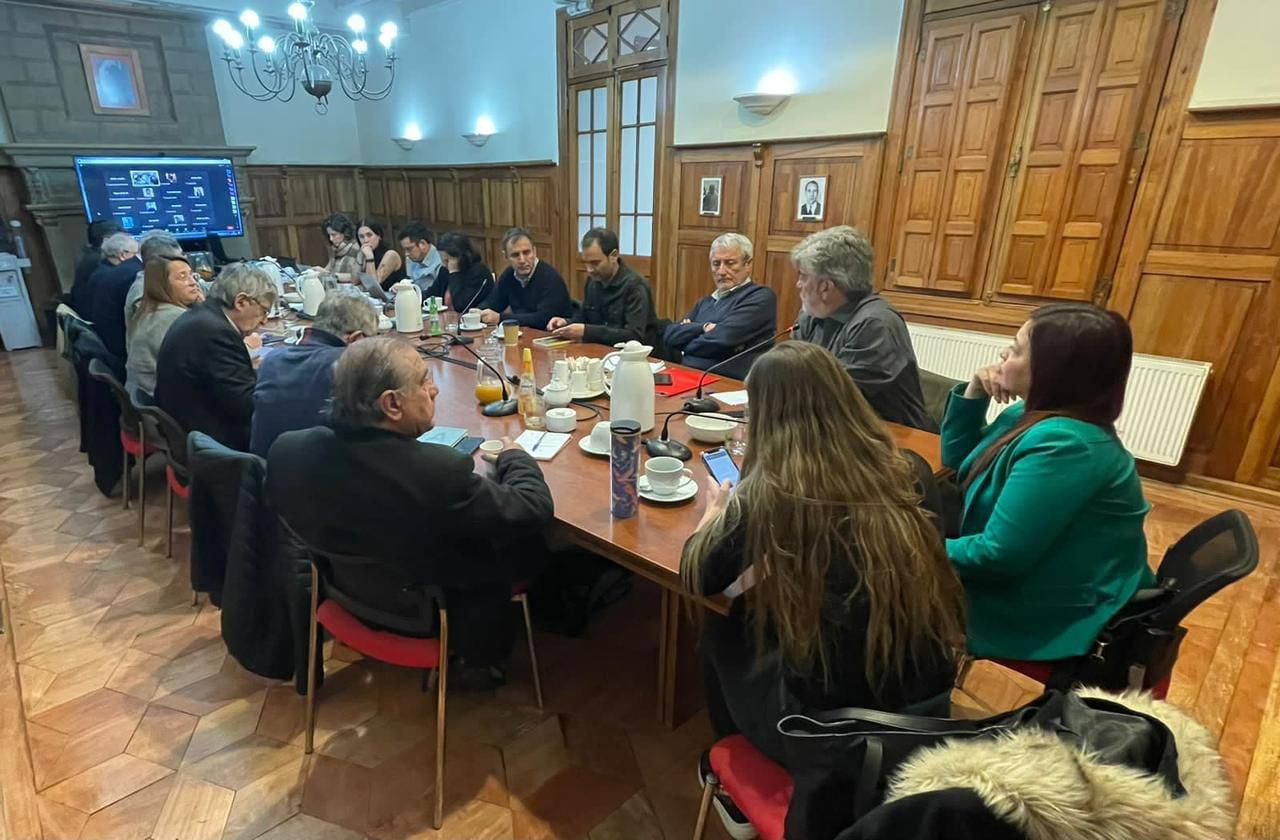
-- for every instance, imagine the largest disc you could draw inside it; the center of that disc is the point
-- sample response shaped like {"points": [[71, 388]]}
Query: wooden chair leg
{"points": [[704, 807], [523, 598], [168, 546], [142, 485], [313, 632], [441, 693], [124, 478]]}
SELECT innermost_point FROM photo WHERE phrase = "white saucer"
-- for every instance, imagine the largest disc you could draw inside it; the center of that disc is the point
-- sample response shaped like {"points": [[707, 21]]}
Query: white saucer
{"points": [[584, 443], [687, 490], [471, 329], [585, 395]]}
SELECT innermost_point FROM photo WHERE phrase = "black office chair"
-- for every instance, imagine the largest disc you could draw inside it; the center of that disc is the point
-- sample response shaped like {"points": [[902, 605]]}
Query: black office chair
{"points": [[1139, 646], [172, 441], [133, 439]]}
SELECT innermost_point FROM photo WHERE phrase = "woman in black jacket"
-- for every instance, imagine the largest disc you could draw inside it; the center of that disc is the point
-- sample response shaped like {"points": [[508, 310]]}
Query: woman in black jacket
{"points": [[842, 592], [469, 281]]}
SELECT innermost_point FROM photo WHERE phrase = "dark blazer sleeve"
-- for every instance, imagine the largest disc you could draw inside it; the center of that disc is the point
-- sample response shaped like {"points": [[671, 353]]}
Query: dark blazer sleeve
{"points": [[440, 285], [499, 298], [677, 336], [637, 306], [553, 302], [229, 373], [752, 317], [519, 495]]}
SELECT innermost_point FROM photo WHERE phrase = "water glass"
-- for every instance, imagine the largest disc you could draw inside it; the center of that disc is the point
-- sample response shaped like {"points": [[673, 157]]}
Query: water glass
{"points": [[737, 443]]}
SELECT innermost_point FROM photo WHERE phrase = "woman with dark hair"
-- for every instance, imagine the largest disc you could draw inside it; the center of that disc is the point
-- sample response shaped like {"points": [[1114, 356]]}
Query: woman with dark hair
{"points": [[1050, 544], [842, 591], [344, 250], [376, 258], [168, 290], [469, 281]]}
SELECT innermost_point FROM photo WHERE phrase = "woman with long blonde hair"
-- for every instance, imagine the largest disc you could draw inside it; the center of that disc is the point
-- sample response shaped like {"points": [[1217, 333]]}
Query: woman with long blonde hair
{"points": [[168, 289], [844, 595]]}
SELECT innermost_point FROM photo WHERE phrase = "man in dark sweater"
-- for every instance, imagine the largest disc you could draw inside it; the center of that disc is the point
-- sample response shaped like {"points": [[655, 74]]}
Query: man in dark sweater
{"points": [[435, 519], [737, 315], [533, 290], [618, 303]]}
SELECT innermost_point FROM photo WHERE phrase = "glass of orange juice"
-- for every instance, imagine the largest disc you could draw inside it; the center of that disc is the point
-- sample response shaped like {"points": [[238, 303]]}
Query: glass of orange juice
{"points": [[488, 390]]}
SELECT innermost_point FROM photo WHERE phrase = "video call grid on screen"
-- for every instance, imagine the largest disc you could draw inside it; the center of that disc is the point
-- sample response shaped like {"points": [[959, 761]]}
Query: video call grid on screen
{"points": [[191, 198]]}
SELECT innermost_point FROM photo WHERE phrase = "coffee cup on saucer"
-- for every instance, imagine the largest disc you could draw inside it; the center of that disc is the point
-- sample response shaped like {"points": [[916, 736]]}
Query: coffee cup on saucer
{"points": [[578, 382], [595, 374], [665, 475], [471, 319], [600, 436]]}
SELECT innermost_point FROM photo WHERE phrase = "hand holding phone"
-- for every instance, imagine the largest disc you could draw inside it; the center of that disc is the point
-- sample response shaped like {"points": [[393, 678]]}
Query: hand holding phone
{"points": [[721, 465]]}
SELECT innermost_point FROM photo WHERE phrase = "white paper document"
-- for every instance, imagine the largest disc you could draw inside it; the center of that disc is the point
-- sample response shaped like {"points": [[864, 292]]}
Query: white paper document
{"points": [[542, 445], [731, 397]]}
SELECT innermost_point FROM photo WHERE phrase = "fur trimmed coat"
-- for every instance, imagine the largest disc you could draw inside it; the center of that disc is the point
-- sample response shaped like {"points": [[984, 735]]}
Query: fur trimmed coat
{"points": [[1049, 790]]}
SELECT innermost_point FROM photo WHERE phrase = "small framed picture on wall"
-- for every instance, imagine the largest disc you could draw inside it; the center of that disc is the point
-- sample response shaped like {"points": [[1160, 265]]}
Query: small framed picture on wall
{"points": [[812, 204], [711, 188], [114, 76]]}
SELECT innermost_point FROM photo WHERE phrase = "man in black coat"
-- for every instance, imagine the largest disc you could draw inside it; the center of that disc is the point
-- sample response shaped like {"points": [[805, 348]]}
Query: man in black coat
{"points": [[204, 377], [103, 298], [366, 486]]}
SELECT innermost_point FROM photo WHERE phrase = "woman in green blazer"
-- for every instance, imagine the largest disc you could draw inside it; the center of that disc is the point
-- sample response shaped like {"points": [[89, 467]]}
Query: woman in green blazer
{"points": [[1051, 544]]}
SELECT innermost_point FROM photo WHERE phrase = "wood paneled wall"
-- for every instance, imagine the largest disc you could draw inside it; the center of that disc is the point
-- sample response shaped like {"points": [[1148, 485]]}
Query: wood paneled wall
{"points": [[291, 203], [760, 191]]}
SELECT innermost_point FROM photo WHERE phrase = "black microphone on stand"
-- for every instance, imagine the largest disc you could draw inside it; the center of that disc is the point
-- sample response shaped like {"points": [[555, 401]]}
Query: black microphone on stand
{"points": [[700, 404], [498, 408], [663, 446]]}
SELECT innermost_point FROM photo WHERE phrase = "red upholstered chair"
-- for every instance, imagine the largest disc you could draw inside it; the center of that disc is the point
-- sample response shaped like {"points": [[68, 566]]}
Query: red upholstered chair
{"points": [[133, 439], [172, 441], [760, 788], [1139, 646]]}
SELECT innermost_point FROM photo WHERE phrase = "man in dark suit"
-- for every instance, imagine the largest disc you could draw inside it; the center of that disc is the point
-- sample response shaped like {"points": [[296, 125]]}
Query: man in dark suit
{"points": [[88, 262], [204, 377], [812, 207], [366, 486], [104, 298]]}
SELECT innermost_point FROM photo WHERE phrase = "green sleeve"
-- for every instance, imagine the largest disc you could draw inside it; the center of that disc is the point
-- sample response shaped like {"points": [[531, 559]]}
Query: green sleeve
{"points": [[962, 426], [1050, 479]]}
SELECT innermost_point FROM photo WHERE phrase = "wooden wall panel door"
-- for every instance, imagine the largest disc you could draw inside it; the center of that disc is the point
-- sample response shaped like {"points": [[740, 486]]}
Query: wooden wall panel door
{"points": [[1096, 64], [958, 136]]}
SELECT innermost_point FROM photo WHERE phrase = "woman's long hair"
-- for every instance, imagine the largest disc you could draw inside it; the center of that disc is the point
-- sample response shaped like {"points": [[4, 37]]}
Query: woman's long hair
{"points": [[1080, 360], [155, 287], [458, 246], [823, 483]]}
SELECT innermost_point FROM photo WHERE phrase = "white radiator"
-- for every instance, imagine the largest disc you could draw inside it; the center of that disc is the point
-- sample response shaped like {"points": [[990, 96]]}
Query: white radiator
{"points": [[1159, 406]]}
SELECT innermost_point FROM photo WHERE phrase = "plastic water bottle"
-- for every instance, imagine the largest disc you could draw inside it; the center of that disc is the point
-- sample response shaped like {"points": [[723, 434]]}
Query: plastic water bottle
{"points": [[433, 319]]}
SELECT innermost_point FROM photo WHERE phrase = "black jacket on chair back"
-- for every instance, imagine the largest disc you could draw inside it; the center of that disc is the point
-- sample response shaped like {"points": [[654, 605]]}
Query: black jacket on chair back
{"points": [[204, 377]]}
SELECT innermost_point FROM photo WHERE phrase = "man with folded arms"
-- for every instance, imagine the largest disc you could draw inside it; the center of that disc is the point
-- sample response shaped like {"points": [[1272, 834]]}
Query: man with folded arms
{"points": [[295, 384], [735, 316], [531, 289], [436, 517]]}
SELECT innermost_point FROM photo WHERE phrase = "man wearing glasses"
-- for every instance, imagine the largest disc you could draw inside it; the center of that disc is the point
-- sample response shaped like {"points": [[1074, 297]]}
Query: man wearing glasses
{"points": [[204, 376]]}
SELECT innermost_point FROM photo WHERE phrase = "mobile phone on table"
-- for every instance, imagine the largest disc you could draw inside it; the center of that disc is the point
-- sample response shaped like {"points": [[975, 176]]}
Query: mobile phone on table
{"points": [[721, 465], [468, 445], [662, 379]]}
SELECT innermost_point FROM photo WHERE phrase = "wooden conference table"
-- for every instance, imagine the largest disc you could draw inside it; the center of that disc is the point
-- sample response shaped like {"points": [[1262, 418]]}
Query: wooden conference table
{"points": [[648, 543]]}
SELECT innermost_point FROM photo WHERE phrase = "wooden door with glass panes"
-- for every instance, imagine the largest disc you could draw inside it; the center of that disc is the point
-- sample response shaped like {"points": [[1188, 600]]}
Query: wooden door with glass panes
{"points": [[616, 68]]}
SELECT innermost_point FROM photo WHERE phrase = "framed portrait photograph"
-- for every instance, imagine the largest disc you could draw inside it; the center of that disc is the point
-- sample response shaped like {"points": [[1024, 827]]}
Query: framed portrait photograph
{"points": [[114, 76], [711, 188], [812, 203]]}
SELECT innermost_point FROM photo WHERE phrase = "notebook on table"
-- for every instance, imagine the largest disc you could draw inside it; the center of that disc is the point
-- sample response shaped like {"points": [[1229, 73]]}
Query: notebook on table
{"points": [[443, 435]]}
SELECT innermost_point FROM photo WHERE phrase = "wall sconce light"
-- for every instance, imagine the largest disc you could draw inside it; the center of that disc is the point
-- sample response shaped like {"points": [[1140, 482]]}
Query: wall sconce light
{"points": [[761, 103], [412, 134], [484, 130]]}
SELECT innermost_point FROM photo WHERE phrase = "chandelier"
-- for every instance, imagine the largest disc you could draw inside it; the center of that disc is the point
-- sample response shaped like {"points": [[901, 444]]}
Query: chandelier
{"points": [[317, 60]]}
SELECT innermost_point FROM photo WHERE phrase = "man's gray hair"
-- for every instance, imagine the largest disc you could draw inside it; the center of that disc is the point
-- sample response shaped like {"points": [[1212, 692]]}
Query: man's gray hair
{"points": [[158, 243], [117, 244], [734, 240], [243, 279], [345, 311], [839, 254], [365, 370]]}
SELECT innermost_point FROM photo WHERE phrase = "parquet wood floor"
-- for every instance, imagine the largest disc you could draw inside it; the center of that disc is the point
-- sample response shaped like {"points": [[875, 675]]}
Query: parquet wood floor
{"points": [[123, 716]]}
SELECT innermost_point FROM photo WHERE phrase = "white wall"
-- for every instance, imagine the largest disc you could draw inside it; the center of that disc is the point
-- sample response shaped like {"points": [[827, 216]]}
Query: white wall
{"points": [[463, 59], [841, 54], [285, 132], [1240, 68]]}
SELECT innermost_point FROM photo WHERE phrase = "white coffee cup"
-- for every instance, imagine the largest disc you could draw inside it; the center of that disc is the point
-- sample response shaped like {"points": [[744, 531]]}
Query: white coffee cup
{"points": [[560, 373], [561, 420], [578, 382], [492, 447], [600, 436], [666, 475], [471, 319], [595, 374]]}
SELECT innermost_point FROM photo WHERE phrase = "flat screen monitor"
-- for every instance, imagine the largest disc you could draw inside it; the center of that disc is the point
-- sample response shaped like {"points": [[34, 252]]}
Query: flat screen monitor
{"points": [[192, 198]]}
